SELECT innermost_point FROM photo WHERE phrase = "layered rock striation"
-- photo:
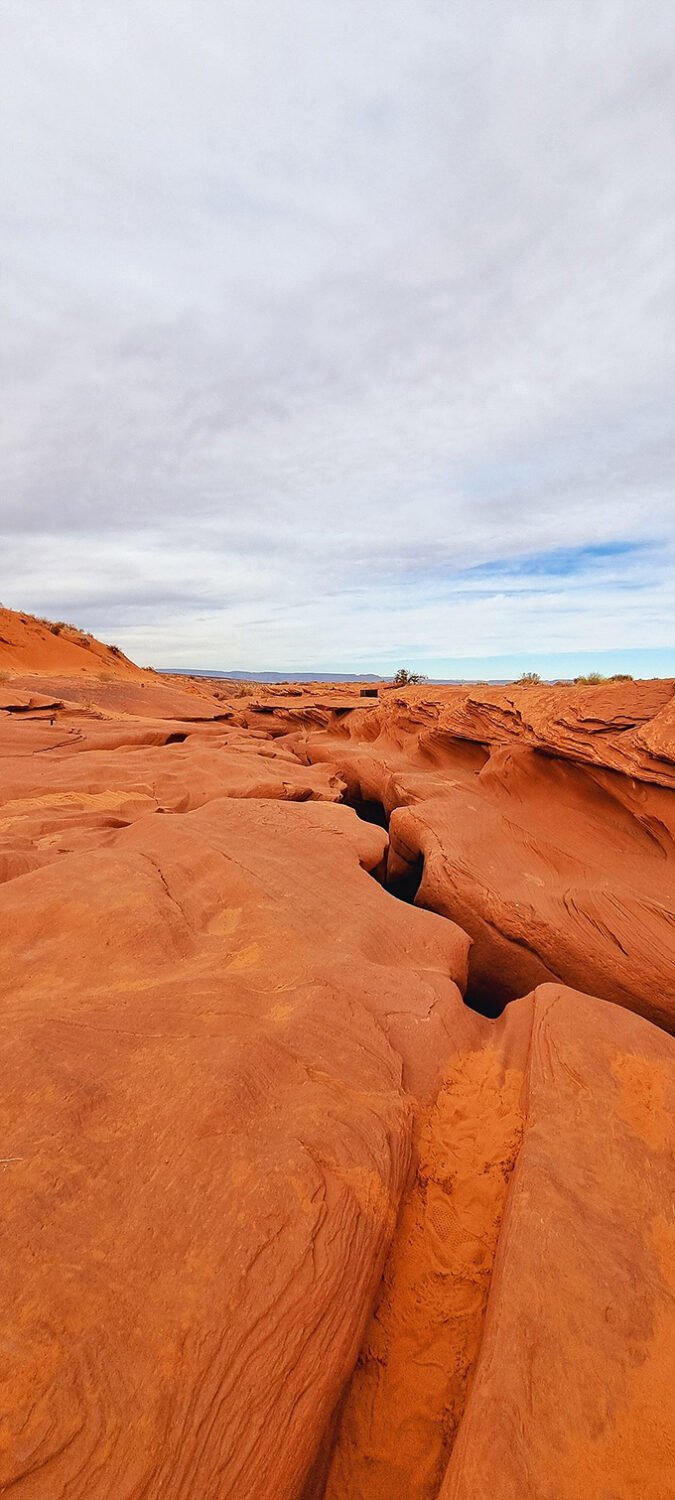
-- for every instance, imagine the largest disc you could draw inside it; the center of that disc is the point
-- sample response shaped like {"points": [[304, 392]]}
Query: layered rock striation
{"points": [[283, 1215]]}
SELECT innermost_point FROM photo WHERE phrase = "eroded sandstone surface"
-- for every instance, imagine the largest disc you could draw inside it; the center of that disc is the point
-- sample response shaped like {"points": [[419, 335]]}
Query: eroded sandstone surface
{"points": [[545, 822], [283, 1215]]}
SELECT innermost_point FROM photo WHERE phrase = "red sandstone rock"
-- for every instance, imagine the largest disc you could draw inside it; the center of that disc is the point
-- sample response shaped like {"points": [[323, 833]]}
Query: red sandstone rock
{"points": [[522, 1343], [215, 1028], [250, 1131], [93, 777], [570, 1396], [557, 866]]}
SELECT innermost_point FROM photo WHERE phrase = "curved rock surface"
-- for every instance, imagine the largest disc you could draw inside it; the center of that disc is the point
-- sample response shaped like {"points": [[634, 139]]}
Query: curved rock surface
{"points": [[546, 828], [524, 1335], [284, 1218], [578, 1352], [215, 1028]]}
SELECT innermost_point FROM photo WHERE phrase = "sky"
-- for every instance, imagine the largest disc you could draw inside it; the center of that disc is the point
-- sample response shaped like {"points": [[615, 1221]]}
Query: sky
{"points": [[341, 335]]}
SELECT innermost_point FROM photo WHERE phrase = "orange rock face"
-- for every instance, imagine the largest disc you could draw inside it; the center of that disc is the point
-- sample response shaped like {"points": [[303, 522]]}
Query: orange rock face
{"points": [[545, 825], [282, 1215], [579, 1341], [209, 1130]]}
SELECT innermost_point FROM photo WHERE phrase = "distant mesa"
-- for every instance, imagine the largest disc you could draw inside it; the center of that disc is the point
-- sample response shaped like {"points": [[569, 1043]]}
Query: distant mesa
{"points": [[317, 676], [271, 677]]}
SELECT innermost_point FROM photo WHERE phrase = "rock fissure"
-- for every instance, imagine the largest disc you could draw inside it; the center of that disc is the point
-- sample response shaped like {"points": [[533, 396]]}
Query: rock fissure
{"points": [[538, 840], [401, 872], [401, 1412], [269, 1166]]}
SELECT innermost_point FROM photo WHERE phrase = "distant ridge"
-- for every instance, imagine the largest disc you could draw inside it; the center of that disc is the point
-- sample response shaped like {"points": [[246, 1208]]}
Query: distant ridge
{"points": [[272, 677]]}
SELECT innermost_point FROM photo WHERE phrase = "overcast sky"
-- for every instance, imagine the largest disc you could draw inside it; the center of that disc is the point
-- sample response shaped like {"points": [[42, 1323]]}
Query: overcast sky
{"points": [[341, 333]]}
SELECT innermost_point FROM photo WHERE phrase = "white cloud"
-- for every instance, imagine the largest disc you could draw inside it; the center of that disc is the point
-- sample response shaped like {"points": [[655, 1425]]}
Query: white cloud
{"points": [[309, 303]]}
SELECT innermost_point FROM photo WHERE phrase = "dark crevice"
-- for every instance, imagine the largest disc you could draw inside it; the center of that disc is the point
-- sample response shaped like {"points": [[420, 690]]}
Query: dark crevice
{"points": [[403, 879], [405, 883], [483, 998], [369, 809]]}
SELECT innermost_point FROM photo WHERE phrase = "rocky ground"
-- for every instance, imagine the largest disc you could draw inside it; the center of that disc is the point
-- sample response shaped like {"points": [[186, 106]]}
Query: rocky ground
{"points": [[338, 1087]]}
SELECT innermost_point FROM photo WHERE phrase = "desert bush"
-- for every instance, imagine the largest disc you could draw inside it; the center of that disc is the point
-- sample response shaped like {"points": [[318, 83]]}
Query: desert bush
{"points": [[529, 679], [621, 677], [105, 677], [57, 626], [404, 678], [590, 679], [4, 676]]}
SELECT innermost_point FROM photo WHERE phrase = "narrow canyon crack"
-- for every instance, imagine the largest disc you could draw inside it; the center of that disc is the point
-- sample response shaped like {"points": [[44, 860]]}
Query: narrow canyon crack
{"points": [[396, 1423], [403, 1407], [402, 874]]}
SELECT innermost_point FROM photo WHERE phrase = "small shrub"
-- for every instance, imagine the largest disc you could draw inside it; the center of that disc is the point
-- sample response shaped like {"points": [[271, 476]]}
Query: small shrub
{"points": [[57, 626], [4, 676], [105, 677], [590, 679], [404, 678], [621, 677], [529, 679]]}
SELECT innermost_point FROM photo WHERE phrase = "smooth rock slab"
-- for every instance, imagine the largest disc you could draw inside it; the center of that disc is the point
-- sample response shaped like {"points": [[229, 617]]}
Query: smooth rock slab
{"points": [[215, 1030], [572, 1392]]}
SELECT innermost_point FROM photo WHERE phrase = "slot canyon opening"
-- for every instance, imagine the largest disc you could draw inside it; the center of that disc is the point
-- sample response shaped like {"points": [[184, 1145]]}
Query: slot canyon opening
{"points": [[484, 997], [369, 809], [405, 883], [485, 993]]}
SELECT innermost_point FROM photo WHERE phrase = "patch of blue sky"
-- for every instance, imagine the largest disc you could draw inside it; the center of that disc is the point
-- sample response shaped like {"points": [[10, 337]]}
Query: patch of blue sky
{"points": [[565, 562], [620, 565]]}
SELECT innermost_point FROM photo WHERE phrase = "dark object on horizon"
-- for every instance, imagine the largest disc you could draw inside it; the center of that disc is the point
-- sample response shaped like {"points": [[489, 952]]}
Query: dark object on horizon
{"points": [[369, 693]]}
